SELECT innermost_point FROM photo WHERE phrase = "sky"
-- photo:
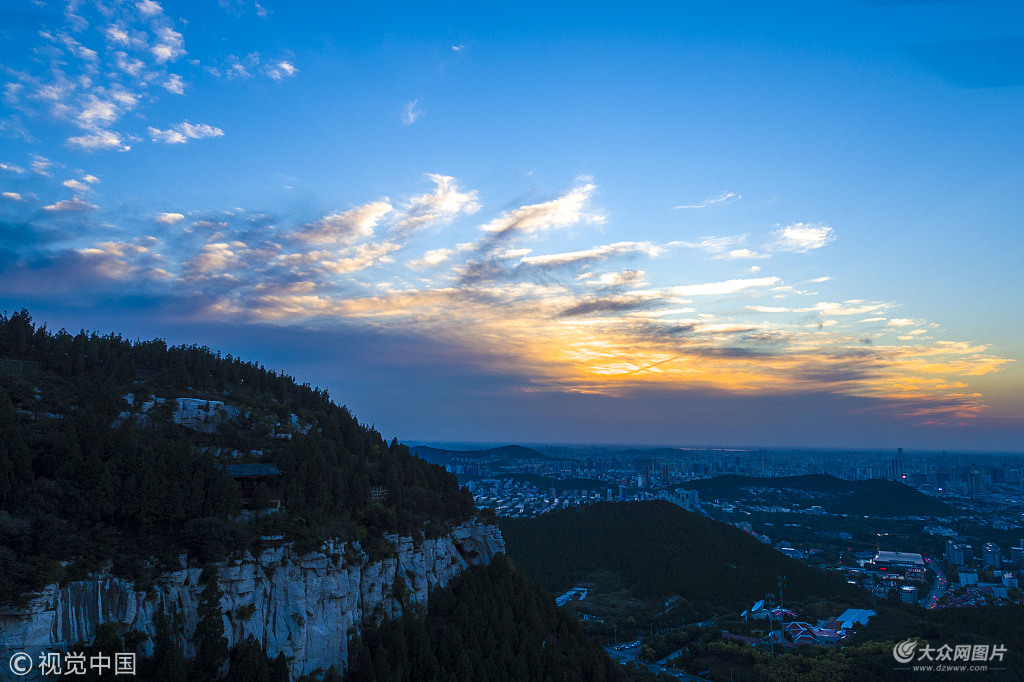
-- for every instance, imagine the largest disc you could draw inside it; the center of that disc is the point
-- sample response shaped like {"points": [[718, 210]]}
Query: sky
{"points": [[735, 224]]}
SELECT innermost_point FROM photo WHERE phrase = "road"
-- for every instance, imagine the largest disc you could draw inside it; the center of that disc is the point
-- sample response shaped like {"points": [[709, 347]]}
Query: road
{"points": [[939, 586]]}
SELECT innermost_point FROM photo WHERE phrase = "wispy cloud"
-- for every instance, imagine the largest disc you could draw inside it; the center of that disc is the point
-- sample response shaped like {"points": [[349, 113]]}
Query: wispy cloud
{"points": [[75, 205], [181, 133], [583, 320], [802, 237], [174, 84], [168, 218], [103, 61], [345, 227], [439, 207], [101, 140], [592, 254], [731, 286], [569, 209], [410, 114], [711, 201], [280, 70]]}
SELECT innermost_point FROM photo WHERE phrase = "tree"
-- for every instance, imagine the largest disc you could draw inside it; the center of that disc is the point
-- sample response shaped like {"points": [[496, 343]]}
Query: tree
{"points": [[15, 460], [210, 642]]}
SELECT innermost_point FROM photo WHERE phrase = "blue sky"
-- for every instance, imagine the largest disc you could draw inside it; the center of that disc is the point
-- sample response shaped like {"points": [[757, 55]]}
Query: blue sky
{"points": [[744, 224]]}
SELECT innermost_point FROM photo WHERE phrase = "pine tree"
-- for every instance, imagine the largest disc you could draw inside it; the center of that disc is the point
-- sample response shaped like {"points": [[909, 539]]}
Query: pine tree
{"points": [[210, 642], [15, 460]]}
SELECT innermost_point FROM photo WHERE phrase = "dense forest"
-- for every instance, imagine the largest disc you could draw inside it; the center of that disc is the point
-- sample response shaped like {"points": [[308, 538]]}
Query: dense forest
{"points": [[490, 623], [81, 488], [659, 550], [877, 497]]}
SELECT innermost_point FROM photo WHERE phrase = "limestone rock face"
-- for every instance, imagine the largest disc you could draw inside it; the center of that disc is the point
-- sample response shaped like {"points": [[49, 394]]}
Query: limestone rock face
{"points": [[306, 606]]}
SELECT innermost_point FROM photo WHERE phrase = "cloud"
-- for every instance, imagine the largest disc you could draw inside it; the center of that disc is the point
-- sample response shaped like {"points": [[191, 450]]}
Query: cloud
{"points": [[75, 205], [181, 133], [597, 327], [168, 218], [215, 259], [410, 114], [731, 286], [81, 185], [741, 254], [122, 260], [346, 227], [569, 209], [41, 165], [174, 84], [767, 309], [431, 258], [802, 237], [592, 254], [439, 207], [621, 278], [280, 70], [170, 45], [852, 307], [458, 48], [711, 201], [605, 305], [11, 168], [101, 140], [12, 196], [148, 8]]}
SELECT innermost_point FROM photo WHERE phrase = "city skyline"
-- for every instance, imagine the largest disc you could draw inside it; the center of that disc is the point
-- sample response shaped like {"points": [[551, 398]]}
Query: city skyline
{"points": [[738, 225]]}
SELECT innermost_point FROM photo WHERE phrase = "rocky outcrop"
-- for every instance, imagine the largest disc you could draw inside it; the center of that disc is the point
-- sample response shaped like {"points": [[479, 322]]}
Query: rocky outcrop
{"points": [[306, 606]]}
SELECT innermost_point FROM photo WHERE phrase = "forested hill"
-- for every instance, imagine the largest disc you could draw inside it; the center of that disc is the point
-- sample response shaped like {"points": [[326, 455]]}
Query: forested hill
{"points": [[505, 453], [659, 550], [114, 450], [876, 497]]}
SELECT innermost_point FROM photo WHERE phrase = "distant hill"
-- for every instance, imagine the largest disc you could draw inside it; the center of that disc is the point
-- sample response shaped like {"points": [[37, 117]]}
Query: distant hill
{"points": [[545, 482], [876, 497], [505, 453], [659, 550]]}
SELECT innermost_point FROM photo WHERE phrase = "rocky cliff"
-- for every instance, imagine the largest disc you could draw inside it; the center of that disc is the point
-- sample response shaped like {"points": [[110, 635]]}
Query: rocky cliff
{"points": [[306, 606]]}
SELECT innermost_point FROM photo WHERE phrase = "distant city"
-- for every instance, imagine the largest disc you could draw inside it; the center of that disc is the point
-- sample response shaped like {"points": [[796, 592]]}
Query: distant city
{"points": [[951, 535]]}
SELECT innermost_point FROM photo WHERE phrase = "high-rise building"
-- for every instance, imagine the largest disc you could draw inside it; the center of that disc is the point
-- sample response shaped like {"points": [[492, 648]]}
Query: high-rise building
{"points": [[991, 556], [1017, 558], [958, 553]]}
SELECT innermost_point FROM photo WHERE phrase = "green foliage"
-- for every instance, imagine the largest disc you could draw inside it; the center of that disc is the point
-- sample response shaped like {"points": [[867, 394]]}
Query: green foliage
{"points": [[250, 663], [210, 642], [244, 613], [865, 498], [78, 490], [660, 550], [489, 623]]}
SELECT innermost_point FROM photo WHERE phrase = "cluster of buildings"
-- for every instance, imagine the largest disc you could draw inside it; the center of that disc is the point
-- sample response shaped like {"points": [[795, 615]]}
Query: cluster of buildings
{"points": [[828, 632], [518, 498], [959, 553]]}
